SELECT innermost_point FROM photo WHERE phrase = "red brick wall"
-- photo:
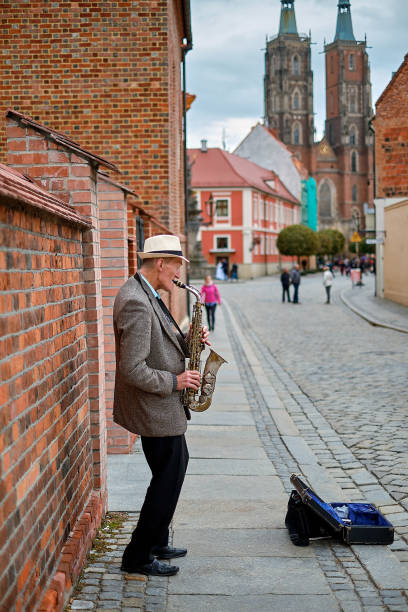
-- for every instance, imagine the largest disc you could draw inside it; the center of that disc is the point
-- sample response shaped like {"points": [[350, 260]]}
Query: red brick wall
{"points": [[72, 179], [112, 209], [109, 73], [391, 137], [45, 441]]}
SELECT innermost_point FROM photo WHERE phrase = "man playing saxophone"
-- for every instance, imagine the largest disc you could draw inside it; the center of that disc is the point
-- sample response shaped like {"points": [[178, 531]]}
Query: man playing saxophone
{"points": [[150, 377]]}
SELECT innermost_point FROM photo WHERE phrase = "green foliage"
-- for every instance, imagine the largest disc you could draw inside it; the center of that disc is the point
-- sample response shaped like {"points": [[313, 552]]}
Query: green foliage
{"points": [[363, 248], [338, 241], [297, 240], [330, 242], [324, 242]]}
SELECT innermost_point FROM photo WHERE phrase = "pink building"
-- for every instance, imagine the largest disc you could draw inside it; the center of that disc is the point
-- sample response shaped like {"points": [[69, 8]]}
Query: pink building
{"points": [[244, 207]]}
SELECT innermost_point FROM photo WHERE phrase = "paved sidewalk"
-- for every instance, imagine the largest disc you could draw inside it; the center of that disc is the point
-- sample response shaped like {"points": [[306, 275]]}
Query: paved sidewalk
{"points": [[376, 311], [259, 429]]}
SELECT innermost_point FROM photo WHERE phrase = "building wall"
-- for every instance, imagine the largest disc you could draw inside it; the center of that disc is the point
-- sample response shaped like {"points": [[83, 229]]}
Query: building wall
{"points": [[72, 178], [108, 73], [395, 253], [391, 137], [115, 270], [45, 441], [252, 229]]}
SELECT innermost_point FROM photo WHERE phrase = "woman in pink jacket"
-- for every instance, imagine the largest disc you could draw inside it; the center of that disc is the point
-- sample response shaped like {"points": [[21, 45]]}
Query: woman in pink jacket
{"points": [[210, 296]]}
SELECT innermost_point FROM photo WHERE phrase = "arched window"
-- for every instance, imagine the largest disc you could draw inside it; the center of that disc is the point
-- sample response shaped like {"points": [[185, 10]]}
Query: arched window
{"points": [[325, 200], [295, 64], [353, 139], [296, 104], [354, 193], [351, 61], [352, 104], [354, 161], [296, 134]]}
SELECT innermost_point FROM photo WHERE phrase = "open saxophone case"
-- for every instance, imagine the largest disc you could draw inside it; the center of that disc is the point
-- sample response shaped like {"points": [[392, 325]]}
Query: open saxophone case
{"points": [[310, 517]]}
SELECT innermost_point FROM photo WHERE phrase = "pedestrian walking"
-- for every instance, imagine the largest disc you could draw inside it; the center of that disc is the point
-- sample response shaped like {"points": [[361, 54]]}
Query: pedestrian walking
{"points": [[210, 297], [285, 281], [331, 267], [327, 282], [295, 280], [225, 268], [234, 272], [150, 375]]}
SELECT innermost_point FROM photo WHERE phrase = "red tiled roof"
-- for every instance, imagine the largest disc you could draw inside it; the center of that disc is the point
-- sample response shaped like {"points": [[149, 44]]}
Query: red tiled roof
{"points": [[14, 186], [218, 168], [60, 138]]}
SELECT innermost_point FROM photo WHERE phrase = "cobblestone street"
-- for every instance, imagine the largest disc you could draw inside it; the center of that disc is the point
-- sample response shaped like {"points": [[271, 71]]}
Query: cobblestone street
{"points": [[353, 373]]}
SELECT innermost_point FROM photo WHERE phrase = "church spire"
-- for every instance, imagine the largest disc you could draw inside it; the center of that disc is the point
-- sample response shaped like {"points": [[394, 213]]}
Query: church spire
{"points": [[287, 18], [344, 28]]}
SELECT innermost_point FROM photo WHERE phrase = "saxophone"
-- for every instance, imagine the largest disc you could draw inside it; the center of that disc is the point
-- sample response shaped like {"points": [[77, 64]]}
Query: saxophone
{"points": [[201, 400]]}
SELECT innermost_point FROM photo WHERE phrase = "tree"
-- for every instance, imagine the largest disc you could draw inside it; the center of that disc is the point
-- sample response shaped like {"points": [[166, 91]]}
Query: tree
{"points": [[325, 242], [331, 242], [338, 241], [297, 240]]}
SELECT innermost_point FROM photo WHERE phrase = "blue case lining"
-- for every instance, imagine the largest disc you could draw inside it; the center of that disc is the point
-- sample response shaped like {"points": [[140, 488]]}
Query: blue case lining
{"points": [[359, 514]]}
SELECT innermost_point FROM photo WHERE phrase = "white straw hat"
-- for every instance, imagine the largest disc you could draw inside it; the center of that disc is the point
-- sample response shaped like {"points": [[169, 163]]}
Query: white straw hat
{"points": [[163, 245]]}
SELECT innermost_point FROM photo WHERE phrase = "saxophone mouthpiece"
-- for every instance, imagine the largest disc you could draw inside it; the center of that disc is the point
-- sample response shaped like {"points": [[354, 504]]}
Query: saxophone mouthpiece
{"points": [[179, 284]]}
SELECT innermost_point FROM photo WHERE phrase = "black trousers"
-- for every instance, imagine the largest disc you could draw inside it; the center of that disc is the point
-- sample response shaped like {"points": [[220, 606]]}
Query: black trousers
{"points": [[285, 289], [328, 294], [167, 458], [210, 308]]}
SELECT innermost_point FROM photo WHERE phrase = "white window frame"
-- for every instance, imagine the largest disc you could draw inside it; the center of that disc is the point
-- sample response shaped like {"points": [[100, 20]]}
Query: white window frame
{"points": [[216, 236], [222, 219]]}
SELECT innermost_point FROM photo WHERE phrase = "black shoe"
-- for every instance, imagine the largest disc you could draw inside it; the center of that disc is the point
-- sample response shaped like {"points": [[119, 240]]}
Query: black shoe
{"points": [[168, 552], [155, 568]]}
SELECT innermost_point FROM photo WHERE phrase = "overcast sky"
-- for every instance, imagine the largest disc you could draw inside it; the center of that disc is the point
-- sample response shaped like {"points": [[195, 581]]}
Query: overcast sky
{"points": [[225, 69]]}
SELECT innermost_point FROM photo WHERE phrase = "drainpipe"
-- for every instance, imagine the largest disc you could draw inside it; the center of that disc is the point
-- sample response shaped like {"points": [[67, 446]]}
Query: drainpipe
{"points": [[379, 250], [185, 48]]}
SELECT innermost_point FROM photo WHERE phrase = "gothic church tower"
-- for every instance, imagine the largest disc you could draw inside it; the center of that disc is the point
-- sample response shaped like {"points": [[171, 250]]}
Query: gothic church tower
{"points": [[288, 85], [348, 111]]}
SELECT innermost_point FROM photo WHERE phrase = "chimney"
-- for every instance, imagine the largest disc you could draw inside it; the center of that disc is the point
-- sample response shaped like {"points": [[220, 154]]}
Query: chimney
{"points": [[203, 146]]}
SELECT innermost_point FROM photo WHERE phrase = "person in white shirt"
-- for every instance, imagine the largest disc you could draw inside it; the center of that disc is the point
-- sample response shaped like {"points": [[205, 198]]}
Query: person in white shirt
{"points": [[327, 282]]}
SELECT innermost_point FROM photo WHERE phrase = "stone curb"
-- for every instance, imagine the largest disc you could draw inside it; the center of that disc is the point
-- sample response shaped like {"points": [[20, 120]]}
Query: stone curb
{"points": [[370, 320]]}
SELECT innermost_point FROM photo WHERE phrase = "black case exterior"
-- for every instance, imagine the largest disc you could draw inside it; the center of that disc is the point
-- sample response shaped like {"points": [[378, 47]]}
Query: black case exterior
{"points": [[349, 534]]}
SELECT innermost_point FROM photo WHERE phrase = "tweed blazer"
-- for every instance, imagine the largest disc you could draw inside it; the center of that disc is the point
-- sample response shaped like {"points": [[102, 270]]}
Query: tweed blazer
{"points": [[148, 354]]}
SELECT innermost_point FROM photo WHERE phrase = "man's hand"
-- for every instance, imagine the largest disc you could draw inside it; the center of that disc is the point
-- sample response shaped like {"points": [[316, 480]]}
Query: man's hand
{"points": [[204, 335], [190, 379]]}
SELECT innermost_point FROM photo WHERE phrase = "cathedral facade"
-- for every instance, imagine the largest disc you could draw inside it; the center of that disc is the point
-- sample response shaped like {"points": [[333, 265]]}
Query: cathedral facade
{"points": [[342, 162]]}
